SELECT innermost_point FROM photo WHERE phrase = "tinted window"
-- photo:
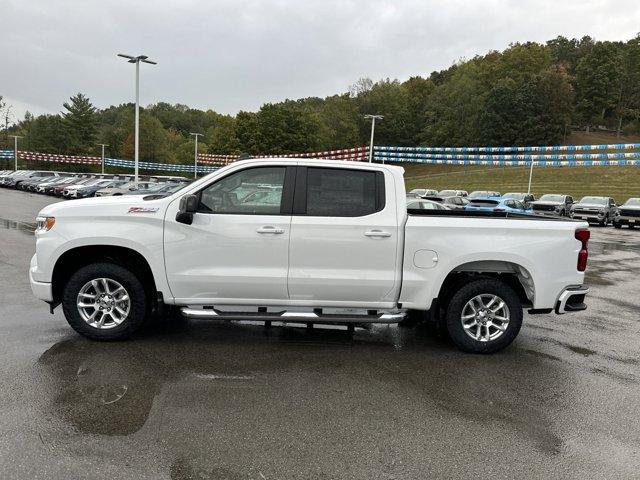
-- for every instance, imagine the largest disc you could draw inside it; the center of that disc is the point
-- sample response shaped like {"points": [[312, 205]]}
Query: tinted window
{"points": [[341, 192], [256, 191]]}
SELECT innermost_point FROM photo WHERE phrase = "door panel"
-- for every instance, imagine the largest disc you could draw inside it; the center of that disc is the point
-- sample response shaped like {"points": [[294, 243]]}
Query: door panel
{"points": [[342, 258], [227, 257], [237, 248]]}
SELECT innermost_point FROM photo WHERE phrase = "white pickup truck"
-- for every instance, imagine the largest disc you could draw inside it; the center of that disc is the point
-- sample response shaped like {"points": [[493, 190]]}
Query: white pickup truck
{"points": [[296, 240]]}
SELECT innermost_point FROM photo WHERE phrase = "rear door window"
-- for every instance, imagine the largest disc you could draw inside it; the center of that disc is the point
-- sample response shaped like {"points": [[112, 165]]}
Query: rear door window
{"points": [[343, 192]]}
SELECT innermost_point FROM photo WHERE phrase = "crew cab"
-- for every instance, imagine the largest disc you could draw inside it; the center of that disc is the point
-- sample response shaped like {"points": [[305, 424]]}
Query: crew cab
{"points": [[325, 242]]}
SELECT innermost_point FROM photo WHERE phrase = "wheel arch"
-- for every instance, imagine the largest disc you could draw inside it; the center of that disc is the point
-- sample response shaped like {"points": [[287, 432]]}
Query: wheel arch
{"points": [[75, 258], [512, 273]]}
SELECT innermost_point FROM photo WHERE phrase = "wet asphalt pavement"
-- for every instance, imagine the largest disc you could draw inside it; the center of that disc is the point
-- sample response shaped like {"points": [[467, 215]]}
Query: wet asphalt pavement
{"points": [[198, 400]]}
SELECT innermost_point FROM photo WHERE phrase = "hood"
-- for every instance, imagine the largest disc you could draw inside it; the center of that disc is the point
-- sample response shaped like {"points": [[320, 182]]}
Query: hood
{"points": [[630, 207], [539, 202], [102, 206], [589, 205]]}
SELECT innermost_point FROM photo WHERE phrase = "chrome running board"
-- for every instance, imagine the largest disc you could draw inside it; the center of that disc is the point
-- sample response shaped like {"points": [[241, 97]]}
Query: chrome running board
{"points": [[287, 316]]}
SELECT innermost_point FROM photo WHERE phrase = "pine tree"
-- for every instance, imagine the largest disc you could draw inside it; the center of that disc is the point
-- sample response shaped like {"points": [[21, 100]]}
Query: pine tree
{"points": [[80, 124]]}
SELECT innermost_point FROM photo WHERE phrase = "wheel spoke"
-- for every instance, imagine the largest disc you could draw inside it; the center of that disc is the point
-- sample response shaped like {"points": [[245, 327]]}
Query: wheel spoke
{"points": [[491, 302], [500, 319], [499, 307], [105, 285], [468, 317], [467, 326], [87, 295]]}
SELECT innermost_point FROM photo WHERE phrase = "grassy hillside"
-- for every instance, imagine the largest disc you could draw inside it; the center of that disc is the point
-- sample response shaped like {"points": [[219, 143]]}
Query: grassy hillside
{"points": [[619, 182]]}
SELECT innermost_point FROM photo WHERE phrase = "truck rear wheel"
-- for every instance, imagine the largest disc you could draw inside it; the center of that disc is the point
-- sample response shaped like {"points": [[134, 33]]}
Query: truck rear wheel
{"points": [[104, 301], [484, 316]]}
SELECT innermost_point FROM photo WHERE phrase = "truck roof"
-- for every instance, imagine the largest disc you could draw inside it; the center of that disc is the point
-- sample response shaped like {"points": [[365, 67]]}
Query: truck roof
{"points": [[323, 161]]}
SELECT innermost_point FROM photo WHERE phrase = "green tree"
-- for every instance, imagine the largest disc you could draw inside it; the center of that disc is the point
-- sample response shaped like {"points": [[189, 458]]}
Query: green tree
{"points": [[80, 124], [598, 78]]}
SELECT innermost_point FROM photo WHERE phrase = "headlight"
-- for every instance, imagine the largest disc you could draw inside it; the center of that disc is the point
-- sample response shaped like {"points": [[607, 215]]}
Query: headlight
{"points": [[44, 224]]}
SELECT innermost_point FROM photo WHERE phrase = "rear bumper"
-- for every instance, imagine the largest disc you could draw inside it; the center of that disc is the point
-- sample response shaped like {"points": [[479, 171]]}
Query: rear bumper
{"points": [[572, 300], [623, 220]]}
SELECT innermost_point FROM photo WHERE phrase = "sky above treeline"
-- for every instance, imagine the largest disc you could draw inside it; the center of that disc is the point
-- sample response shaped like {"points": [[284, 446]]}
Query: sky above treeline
{"points": [[232, 55]]}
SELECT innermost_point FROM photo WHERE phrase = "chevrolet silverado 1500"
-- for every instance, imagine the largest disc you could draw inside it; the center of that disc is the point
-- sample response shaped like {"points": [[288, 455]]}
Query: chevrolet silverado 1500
{"points": [[304, 240]]}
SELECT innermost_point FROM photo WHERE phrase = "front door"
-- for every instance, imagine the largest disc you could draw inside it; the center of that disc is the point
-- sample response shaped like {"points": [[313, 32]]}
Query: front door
{"points": [[236, 249], [344, 238]]}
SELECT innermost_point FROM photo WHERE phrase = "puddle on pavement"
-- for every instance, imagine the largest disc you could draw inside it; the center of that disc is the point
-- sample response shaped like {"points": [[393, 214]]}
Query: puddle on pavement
{"points": [[24, 227], [110, 388]]}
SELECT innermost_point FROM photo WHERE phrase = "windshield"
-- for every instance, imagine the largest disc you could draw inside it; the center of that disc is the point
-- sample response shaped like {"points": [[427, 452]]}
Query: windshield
{"points": [[594, 200], [633, 202], [418, 191], [552, 198], [447, 193]]}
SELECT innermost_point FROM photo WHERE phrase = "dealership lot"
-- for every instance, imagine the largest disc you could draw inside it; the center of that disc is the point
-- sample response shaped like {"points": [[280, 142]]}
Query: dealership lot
{"points": [[194, 399]]}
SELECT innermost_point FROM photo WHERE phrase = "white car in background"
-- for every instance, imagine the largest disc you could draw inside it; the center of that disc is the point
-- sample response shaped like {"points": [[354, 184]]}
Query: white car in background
{"points": [[126, 188]]}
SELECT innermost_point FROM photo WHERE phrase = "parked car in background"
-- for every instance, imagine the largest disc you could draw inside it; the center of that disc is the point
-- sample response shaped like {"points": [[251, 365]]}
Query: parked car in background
{"points": [[44, 186], [552, 203], [453, 203], [484, 194], [164, 190], [508, 205], [89, 190], [627, 214], [453, 193], [125, 188], [422, 204], [421, 192], [17, 180], [58, 189], [525, 198], [600, 210]]}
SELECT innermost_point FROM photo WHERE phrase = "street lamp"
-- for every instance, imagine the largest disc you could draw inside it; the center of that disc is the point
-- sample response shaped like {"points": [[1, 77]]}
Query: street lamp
{"points": [[195, 155], [137, 60], [373, 127], [530, 175], [15, 149], [103, 145]]}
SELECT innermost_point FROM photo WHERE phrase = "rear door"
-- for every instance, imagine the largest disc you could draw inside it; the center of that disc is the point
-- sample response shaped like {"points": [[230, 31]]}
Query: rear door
{"points": [[344, 237]]}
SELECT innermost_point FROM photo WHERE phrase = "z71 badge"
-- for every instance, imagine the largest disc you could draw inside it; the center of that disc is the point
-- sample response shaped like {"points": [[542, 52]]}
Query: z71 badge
{"points": [[142, 209]]}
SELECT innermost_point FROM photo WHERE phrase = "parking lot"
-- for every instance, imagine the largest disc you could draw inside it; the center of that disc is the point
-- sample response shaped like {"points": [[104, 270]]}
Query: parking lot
{"points": [[193, 399]]}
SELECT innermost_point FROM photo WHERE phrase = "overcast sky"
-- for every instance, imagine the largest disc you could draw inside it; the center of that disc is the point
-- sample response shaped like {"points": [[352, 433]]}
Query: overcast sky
{"points": [[231, 55]]}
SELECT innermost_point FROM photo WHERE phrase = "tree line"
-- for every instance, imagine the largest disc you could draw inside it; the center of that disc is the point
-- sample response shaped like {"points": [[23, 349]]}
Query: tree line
{"points": [[528, 94]]}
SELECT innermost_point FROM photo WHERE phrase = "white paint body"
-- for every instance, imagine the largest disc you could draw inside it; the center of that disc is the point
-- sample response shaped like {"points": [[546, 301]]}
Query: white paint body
{"points": [[314, 261]]}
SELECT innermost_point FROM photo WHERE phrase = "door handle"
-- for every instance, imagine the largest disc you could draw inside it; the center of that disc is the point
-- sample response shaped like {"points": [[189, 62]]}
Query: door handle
{"points": [[377, 234], [270, 229]]}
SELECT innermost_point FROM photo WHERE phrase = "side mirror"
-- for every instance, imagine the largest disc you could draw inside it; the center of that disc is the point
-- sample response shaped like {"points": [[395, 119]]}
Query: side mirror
{"points": [[188, 206]]}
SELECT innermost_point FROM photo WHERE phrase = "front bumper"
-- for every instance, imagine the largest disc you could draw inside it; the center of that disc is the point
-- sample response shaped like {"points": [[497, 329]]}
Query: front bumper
{"points": [[623, 220], [41, 290], [572, 299], [589, 217]]}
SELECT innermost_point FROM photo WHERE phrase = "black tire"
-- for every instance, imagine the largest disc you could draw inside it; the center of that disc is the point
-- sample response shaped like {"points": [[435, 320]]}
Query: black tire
{"points": [[604, 222], [454, 311], [138, 307], [616, 224]]}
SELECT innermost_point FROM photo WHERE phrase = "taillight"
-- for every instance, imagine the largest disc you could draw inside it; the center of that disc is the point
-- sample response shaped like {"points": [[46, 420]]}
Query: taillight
{"points": [[583, 235]]}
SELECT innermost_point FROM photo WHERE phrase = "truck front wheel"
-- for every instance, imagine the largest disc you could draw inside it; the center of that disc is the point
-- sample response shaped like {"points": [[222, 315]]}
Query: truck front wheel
{"points": [[484, 316], [104, 301]]}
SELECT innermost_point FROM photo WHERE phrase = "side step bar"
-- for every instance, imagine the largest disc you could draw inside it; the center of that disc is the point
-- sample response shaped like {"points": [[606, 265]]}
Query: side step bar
{"points": [[285, 316]]}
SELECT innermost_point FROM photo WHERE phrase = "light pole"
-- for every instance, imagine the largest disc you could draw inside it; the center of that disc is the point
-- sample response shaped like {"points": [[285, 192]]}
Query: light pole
{"points": [[103, 145], [195, 155], [137, 60], [530, 175], [15, 149], [373, 127]]}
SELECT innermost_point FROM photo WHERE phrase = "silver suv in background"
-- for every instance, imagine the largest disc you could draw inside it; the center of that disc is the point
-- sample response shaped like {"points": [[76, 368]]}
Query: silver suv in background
{"points": [[628, 214], [525, 198], [600, 210], [552, 203]]}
